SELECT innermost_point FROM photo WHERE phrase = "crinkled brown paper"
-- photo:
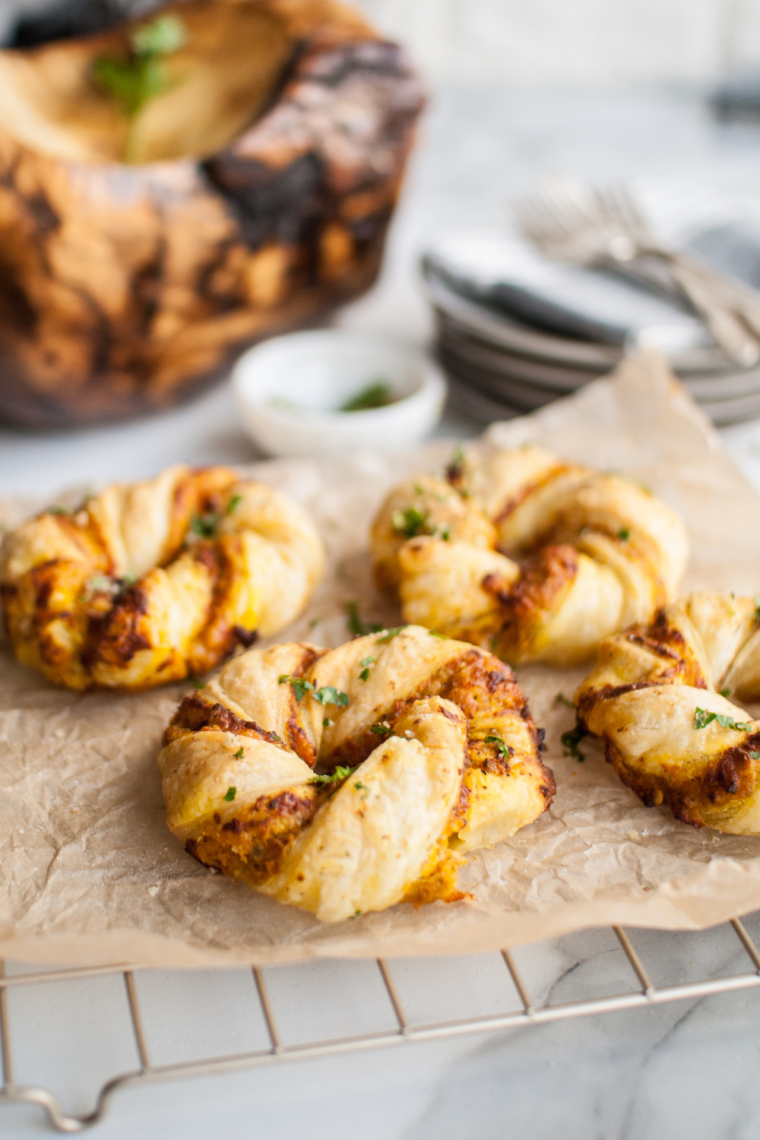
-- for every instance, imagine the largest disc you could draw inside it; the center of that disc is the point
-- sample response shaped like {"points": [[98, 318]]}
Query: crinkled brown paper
{"points": [[91, 875]]}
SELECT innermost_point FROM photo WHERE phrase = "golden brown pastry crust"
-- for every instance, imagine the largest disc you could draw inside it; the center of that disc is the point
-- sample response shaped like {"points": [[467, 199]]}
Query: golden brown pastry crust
{"points": [[535, 558], [154, 581], [658, 698], [442, 752]]}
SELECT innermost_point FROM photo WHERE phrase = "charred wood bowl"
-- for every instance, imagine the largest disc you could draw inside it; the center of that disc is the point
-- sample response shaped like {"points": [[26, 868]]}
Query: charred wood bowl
{"points": [[257, 199]]}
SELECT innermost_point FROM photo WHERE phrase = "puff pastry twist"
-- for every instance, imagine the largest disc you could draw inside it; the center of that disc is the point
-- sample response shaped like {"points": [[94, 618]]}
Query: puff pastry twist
{"points": [[534, 557], [153, 581], [428, 750], [658, 699]]}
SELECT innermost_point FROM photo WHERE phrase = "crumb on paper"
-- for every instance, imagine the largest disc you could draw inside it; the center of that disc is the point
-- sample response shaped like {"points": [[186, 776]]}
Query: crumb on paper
{"points": [[153, 890], [634, 835], [59, 734]]}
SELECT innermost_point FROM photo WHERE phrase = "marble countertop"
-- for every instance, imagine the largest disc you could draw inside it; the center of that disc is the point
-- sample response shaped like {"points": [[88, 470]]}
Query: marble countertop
{"points": [[681, 1070]]}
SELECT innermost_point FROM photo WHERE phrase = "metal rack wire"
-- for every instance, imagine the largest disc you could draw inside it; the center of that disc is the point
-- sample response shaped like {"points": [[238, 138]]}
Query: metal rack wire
{"points": [[279, 1053]]}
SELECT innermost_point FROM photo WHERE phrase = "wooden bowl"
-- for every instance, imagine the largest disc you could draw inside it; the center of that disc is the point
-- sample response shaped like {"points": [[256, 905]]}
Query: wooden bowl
{"points": [[264, 179]]}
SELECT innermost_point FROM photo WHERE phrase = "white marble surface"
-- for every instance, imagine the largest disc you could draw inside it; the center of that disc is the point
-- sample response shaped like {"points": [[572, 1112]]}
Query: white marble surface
{"points": [[676, 1071]]}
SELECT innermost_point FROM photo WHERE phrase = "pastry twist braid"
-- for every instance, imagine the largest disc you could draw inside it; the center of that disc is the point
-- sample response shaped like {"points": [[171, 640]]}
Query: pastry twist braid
{"points": [[536, 558], [658, 698], [427, 749], [151, 582]]}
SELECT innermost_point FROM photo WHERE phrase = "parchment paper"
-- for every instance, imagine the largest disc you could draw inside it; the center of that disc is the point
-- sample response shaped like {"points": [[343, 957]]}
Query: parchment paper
{"points": [[90, 873]]}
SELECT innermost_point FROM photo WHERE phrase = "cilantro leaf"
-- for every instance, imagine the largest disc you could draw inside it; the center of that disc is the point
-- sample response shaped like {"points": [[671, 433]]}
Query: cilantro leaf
{"points": [[334, 777], [381, 729], [329, 695], [234, 503], [391, 633], [239, 754], [570, 741], [230, 794], [299, 684], [624, 534], [506, 750], [702, 718], [205, 525], [411, 522], [356, 626]]}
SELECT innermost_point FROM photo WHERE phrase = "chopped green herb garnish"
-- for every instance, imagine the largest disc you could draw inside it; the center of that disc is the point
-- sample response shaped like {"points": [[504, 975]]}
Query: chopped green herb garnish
{"points": [[128, 579], [239, 754], [230, 794], [360, 787], [378, 394], [561, 699], [702, 718], [134, 81], [329, 695], [364, 675], [756, 600], [197, 683], [435, 633], [381, 729], [391, 633], [100, 582], [234, 503], [299, 684], [326, 723], [446, 532], [356, 626], [411, 522], [505, 749], [334, 777], [205, 525], [419, 490], [367, 662], [725, 692], [56, 510], [624, 534], [570, 741], [755, 755]]}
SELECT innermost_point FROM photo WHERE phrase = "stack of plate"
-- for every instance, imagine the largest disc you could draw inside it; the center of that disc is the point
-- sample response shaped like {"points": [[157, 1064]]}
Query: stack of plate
{"points": [[516, 331]]}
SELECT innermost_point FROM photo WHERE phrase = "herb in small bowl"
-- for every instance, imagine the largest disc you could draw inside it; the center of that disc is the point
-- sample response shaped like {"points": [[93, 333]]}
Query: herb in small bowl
{"points": [[378, 394]]}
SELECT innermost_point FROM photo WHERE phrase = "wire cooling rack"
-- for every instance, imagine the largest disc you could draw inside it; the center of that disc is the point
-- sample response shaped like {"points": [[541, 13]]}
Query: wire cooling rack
{"points": [[403, 1031]]}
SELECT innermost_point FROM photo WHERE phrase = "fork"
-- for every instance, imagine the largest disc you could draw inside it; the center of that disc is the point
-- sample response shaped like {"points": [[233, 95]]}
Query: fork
{"points": [[572, 221]]}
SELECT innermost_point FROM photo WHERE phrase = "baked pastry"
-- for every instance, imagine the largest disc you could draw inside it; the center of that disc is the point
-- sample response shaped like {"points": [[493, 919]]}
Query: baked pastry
{"points": [[158, 580], [658, 697], [536, 558], [426, 749]]}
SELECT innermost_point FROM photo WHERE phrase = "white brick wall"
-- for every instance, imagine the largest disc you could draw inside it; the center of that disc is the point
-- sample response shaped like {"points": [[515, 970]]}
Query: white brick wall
{"points": [[577, 42]]}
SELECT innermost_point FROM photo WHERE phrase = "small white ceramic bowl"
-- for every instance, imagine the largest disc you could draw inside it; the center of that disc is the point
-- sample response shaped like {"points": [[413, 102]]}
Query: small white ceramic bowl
{"points": [[290, 389]]}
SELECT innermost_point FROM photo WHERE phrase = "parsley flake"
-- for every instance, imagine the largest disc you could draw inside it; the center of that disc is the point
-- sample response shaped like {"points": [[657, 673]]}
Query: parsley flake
{"points": [[435, 633], [506, 750], [411, 522], [570, 741], [101, 583], [234, 503], [390, 634], [755, 755], [204, 526], [334, 777], [702, 718], [367, 662], [725, 692], [230, 794], [382, 729], [329, 695], [239, 754], [378, 394], [134, 81], [197, 683], [56, 510], [299, 684], [561, 699], [356, 626], [624, 534]]}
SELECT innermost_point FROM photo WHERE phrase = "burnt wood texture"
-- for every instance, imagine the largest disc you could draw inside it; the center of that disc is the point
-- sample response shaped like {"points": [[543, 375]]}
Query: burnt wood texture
{"points": [[127, 288]]}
